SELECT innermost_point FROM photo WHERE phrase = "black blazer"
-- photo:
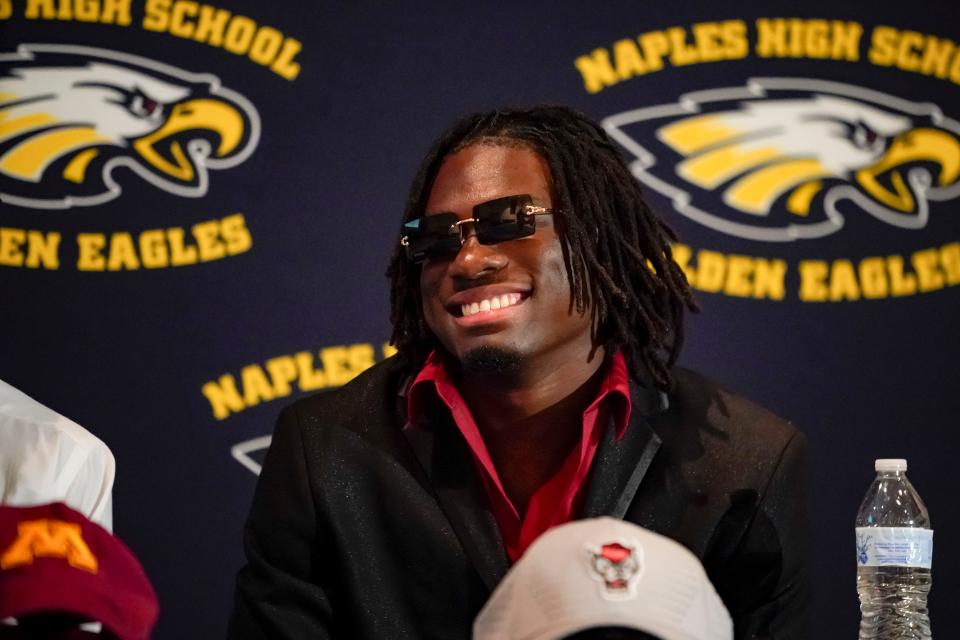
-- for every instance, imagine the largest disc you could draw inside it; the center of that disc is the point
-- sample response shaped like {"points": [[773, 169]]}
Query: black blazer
{"points": [[361, 528]]}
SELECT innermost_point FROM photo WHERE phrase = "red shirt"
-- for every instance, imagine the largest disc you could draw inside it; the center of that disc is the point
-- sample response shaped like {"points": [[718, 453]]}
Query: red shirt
{"points": [[559, 498]]}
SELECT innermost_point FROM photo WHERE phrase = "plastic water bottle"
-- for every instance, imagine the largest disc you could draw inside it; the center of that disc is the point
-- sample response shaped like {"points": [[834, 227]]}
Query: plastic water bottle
{"points": [[894, 556]]}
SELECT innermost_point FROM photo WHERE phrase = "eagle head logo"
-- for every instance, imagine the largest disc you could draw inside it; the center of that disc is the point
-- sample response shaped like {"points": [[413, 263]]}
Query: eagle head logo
{"points": [[71, 117], [773, 160]]}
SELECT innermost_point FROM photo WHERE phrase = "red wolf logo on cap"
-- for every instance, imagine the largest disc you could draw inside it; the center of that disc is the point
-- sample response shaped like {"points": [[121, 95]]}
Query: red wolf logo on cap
{"points": [[617, 566]]}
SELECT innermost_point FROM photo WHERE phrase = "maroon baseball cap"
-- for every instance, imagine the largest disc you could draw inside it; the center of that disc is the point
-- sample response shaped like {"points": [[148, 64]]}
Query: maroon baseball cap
{"points": [[56, 562]]}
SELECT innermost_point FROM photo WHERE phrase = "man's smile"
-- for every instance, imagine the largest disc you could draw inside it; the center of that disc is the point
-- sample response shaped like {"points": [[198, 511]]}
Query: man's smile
{"points": [[486, 304], [490, 304]]}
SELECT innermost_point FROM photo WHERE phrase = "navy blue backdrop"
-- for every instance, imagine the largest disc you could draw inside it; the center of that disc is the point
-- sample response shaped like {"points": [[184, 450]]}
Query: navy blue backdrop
{"points": [[198, 202]]}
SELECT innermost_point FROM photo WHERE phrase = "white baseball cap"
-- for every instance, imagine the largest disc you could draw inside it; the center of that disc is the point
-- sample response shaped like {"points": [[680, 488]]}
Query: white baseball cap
{"points": [[604, 573]]}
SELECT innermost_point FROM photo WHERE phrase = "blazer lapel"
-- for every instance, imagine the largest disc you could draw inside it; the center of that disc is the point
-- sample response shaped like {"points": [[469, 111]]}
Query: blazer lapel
{"points": [[619, 466], [447, 461]]}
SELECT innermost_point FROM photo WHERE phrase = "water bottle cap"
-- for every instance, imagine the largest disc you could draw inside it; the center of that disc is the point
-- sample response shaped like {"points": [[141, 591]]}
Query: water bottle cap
{"points": [[890, 464]]}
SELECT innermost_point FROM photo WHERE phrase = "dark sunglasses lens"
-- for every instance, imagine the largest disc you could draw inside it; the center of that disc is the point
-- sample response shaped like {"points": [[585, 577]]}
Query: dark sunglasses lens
{"points": [[432, 236], [504, 219]]}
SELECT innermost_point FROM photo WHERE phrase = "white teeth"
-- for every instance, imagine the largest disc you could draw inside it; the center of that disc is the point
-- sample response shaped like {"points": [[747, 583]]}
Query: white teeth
{"points": [[490, 304]]}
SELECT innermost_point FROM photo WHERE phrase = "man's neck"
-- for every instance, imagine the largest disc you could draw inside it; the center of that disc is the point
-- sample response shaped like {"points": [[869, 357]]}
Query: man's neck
{"points": [[503, 402], [531, 420]]}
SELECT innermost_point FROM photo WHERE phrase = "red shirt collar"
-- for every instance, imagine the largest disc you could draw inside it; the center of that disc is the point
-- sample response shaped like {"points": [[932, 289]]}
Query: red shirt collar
{"points": [[616, 382]]}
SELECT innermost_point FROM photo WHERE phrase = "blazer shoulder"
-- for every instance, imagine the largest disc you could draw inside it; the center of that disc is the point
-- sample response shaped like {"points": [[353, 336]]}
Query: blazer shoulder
{"points": [[370, 398], [733, 418]]}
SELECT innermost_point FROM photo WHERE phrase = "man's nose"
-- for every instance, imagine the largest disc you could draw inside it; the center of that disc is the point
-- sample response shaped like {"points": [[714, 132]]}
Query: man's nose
{"points": [[475, 260]]}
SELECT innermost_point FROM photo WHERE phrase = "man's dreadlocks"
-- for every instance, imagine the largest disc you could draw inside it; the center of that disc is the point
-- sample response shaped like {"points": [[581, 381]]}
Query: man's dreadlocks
{"points": [[616, 251]]}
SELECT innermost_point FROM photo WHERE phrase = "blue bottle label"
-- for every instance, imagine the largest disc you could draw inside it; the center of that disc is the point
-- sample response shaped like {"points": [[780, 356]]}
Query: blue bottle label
{"points": [[894, 547]]}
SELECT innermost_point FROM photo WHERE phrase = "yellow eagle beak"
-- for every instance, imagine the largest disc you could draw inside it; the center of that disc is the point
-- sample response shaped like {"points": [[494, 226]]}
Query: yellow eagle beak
{"points": [[929, 145], [206, 114]]}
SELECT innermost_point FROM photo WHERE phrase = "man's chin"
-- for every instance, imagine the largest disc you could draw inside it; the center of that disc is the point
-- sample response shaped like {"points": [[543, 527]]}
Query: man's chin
{"points": [[491, 360]]}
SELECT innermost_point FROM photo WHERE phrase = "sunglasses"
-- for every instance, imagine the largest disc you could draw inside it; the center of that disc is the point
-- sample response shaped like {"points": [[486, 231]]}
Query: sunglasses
{"points": [[495, 221]]}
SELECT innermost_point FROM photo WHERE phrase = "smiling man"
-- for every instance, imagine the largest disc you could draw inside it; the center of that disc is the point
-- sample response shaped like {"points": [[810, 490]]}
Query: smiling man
{"points": [[537, 312]]}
